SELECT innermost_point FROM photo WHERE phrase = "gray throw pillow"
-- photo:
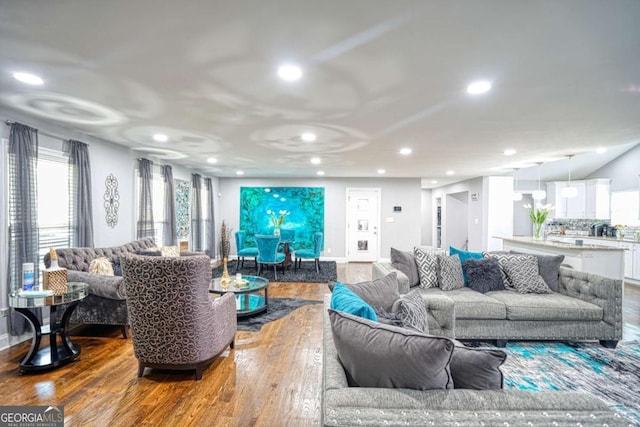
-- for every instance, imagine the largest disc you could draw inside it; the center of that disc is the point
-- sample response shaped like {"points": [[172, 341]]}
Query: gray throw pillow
{"points": [[484, 275], [406, 262], [450, 272], [549, 269], [378, 355], [524, 277], [379, 293], [427, 262], [477, 369], [413, 310]]}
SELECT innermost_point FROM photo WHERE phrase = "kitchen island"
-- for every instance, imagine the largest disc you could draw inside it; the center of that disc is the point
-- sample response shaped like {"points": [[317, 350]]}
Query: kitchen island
{"points": [[603, 260]]}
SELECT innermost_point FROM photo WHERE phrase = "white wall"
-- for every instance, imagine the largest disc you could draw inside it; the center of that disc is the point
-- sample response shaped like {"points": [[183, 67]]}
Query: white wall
{"points": [[624, 171], [456, 215], [497, 211], [427, 236], [403, 233]]}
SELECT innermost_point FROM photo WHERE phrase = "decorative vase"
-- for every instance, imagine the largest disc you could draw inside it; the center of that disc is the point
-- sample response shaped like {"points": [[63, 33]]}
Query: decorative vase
{"points": [[538, 230], [276, 231], [225, 280]]}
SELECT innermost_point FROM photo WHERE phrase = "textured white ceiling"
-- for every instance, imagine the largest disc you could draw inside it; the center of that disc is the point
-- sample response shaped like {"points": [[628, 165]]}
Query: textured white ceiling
{"points": [[378, 75]]}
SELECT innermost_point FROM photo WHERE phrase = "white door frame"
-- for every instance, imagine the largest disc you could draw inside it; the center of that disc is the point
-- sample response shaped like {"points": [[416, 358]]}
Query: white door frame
{"points": [[378, 192]]}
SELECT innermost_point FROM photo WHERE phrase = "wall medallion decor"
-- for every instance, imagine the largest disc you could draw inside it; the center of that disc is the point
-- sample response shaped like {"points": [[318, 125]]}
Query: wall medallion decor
{"points": [[111, 200]]}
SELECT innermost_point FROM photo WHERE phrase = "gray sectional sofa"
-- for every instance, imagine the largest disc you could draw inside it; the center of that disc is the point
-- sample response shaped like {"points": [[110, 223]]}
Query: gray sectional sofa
{"points": [[343, 405], [106, 303], [586, 307]]}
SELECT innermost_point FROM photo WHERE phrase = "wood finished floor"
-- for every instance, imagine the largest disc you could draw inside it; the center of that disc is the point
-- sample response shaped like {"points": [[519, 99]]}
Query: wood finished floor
{"points": [[271, 378]]}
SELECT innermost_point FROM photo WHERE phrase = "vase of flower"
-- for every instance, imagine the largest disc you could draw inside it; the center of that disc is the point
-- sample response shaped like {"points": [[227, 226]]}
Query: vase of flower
{"points": [[538, 215], [277, 220], [538, 231]]}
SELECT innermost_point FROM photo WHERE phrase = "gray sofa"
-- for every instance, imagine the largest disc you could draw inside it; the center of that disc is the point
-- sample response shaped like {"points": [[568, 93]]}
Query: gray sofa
{"points": [[586, 307], [343, 405], [106, 303]]}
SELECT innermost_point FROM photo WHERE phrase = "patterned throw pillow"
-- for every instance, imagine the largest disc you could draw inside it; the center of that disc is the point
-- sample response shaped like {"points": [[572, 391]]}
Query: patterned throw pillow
{"points": [[170, 251], [450, 273], [502, 258], [524, 276], [427, 261], [101, 266], [413, 310]]}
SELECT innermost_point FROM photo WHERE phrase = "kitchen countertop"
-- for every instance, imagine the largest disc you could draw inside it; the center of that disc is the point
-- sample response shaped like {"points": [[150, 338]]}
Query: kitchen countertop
{"points": [[570, 246], [583, 236]]}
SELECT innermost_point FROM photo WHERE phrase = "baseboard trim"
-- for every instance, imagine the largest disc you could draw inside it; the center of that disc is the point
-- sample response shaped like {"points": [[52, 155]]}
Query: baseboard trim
{"points": [[7, 340]]}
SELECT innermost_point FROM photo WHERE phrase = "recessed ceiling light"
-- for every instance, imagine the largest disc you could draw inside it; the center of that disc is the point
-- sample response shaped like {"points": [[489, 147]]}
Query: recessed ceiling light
{"points": [[476, 88], [434, 182], [27, 78], [212, 160], [601, 150], [509, 152], [405, 151], [160, 137], [320, 173], [450, 172], [316, 160], [239, 172], [382, 171], [308, 137], [289, 72]]}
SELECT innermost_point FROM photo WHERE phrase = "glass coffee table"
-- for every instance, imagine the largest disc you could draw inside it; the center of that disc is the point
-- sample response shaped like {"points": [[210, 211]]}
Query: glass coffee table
{"points": [[252, 294], [55, 354]]}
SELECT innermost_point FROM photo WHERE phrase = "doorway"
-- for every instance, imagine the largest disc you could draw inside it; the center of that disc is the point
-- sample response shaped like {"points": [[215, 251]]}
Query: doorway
{"points": [[363, 223], [457, 220]]}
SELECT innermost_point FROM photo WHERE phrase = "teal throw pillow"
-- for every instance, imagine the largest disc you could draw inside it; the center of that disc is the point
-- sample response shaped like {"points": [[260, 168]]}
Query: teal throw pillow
{"points": [[465, 255], [344, 299]]}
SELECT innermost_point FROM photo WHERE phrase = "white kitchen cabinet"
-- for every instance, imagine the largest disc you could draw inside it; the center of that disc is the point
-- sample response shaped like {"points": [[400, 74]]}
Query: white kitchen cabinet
{"points": [[593, 199], [636, 262], [629, 252], [598, 198]]}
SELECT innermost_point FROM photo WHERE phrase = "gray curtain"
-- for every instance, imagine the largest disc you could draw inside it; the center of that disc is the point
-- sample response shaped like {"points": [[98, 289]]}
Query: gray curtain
{"points": [[82, 212], [169, 231], [210, 233], [145, 226], [196, 212], [23, 211]]}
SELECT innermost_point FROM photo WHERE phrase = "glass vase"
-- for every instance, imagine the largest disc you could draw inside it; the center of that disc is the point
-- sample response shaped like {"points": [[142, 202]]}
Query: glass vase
{"points": [[276, 231], [538, 231]]}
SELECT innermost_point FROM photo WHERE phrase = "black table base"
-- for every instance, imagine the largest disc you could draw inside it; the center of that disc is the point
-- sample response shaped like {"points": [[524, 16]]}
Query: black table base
{"points": [[56, 353]]}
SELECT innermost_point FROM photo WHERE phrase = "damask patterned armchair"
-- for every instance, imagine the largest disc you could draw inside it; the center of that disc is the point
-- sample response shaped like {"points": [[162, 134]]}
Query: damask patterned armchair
{"points": [[174, 323]]}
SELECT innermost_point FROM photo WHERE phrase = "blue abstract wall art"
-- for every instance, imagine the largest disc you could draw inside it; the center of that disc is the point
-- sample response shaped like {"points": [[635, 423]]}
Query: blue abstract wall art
{"points": [[303, 208]]}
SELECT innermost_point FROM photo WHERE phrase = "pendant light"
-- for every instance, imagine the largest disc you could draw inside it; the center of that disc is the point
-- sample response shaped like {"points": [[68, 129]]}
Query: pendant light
{"points": [[539, 194], [517, 196], [569, 192]]}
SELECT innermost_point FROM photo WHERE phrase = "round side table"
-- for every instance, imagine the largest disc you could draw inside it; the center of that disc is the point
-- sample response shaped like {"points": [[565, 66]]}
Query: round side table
{"points": [[55, 354]]}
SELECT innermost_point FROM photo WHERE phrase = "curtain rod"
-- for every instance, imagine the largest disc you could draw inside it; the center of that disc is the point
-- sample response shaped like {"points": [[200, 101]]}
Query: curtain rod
{"points": [[10, 122]]}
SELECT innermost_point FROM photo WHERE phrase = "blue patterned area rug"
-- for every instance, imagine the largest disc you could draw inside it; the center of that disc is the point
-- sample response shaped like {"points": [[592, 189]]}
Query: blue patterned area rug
{"points": [[613, 375]]}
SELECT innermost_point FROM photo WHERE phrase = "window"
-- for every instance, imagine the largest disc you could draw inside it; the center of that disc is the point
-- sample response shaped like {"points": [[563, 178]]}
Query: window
{"points": [[54, 212], [158, 207], [625, 208]]}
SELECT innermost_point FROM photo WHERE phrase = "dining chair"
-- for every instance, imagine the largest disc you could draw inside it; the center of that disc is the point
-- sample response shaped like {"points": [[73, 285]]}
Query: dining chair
{"points": [[311, 253], [268, 253], [287, 237], [244, 251]]}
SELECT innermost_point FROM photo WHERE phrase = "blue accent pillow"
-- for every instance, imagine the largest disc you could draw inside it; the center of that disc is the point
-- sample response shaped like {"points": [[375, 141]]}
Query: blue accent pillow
{"points": [[344, 299], [465, 255]]}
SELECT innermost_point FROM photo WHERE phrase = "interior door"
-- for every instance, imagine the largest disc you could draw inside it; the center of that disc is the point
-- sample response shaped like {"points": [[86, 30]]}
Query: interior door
{"points": [[363, 223]]}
